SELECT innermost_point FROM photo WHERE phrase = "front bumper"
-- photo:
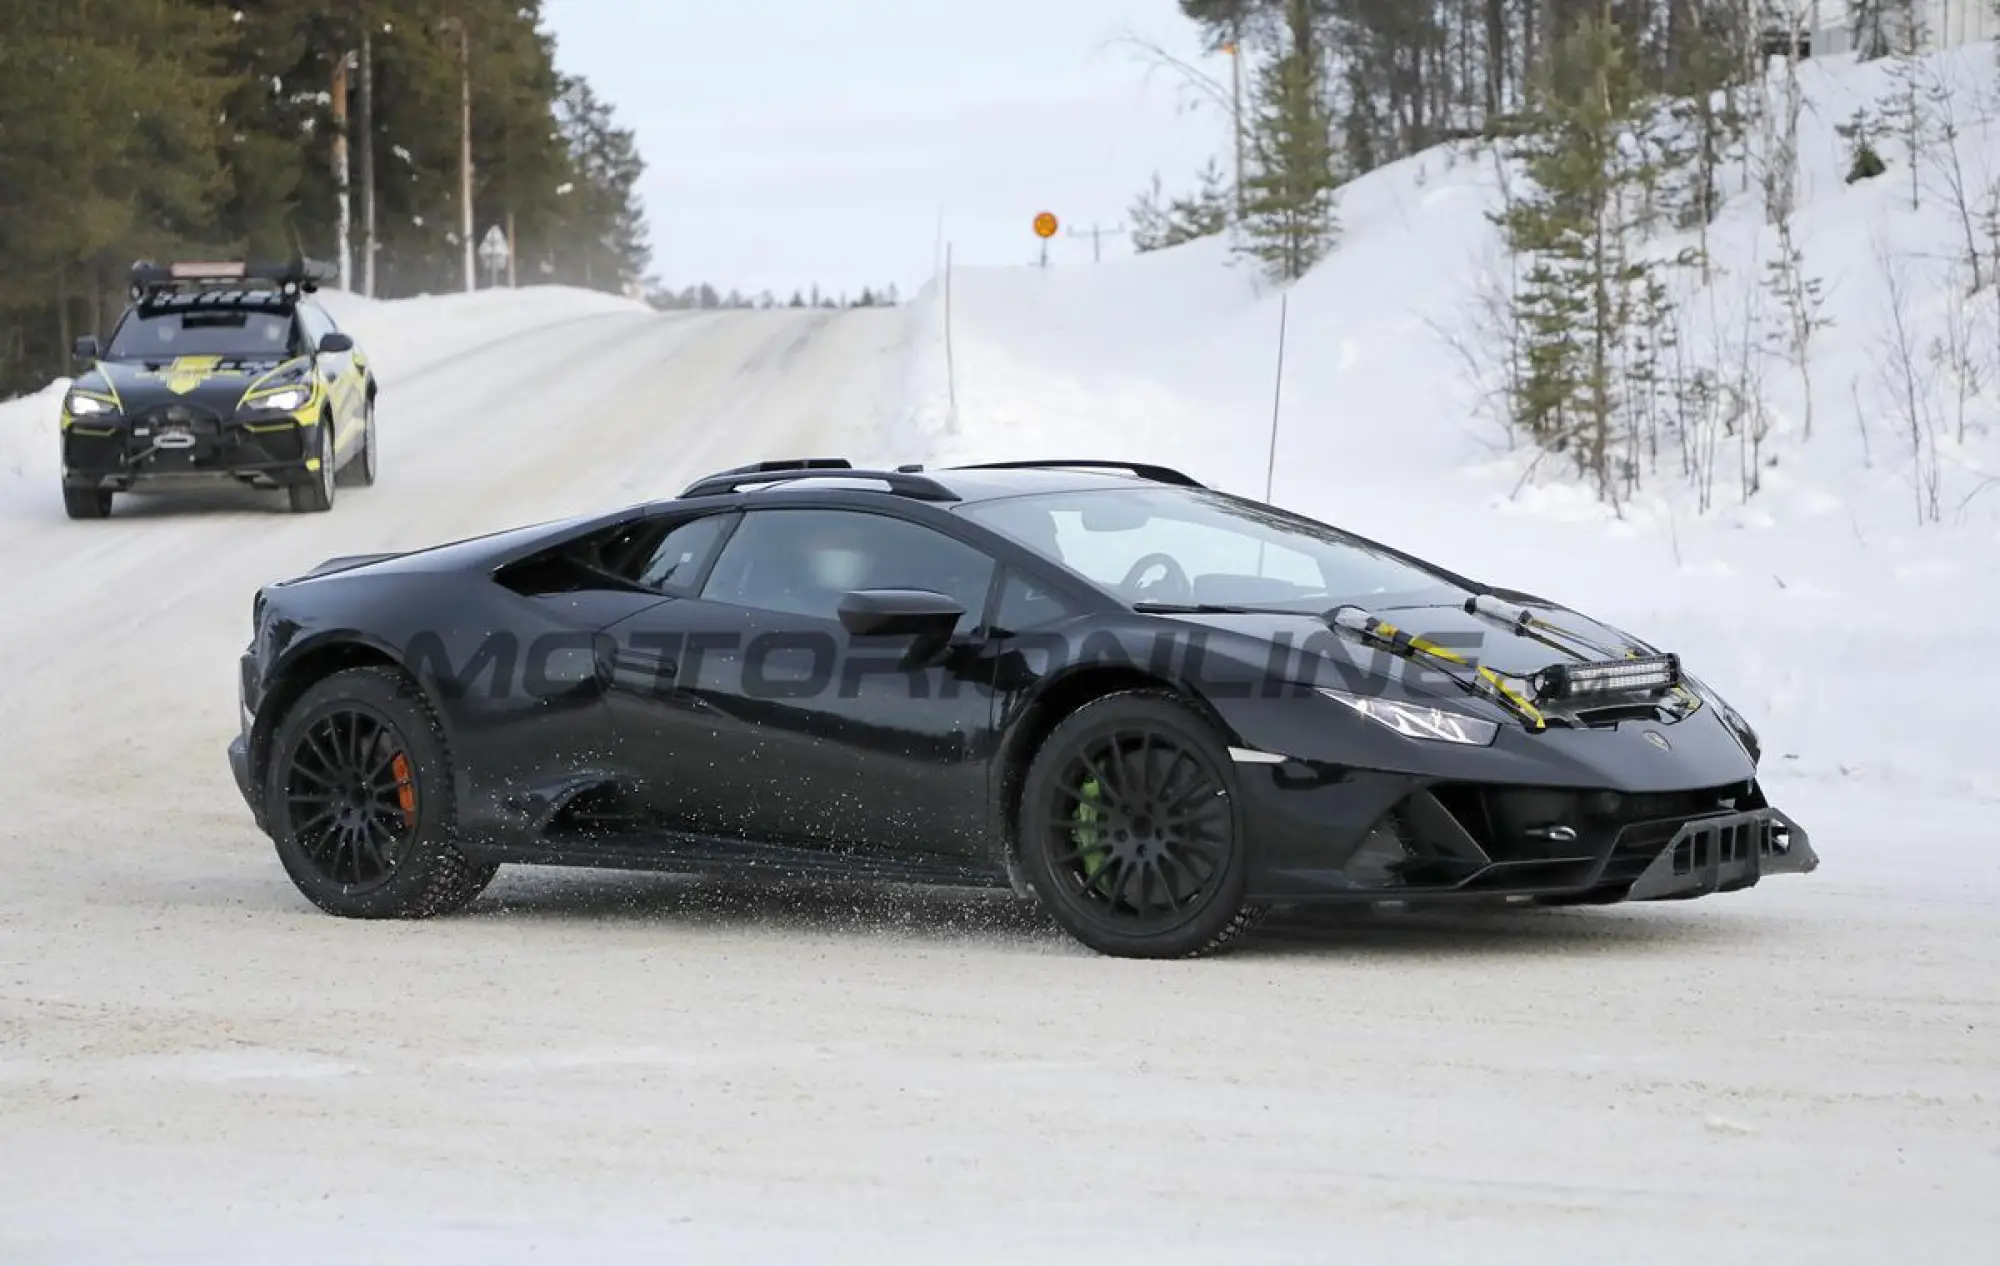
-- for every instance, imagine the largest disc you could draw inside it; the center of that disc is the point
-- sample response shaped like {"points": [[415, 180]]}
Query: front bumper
{"points": [[188, 445], [1724, 854], [239, 747], [239, 766], [1330, 834]]}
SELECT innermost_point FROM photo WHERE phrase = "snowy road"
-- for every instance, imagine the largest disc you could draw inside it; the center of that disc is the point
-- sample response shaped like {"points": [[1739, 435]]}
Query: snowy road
{"points": [[196, 1067]]}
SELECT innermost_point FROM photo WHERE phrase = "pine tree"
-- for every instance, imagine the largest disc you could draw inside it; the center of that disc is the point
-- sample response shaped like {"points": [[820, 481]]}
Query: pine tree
{"points": [[99, 165], [203, 127], [1905, 112], [1583, 291], [1157, 225], [1151, 230], [1289, 218]]}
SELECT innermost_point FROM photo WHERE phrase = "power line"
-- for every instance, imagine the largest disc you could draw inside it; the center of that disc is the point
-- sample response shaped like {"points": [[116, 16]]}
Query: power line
{"points": [[1097, 236]]}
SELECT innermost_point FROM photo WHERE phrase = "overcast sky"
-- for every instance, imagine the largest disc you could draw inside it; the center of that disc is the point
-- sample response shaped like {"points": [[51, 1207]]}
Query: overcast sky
{"points": [[794, 141]]}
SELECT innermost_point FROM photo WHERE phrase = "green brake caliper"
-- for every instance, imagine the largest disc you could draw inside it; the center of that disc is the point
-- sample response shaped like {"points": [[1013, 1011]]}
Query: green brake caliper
{"points": [[1093, 849]]}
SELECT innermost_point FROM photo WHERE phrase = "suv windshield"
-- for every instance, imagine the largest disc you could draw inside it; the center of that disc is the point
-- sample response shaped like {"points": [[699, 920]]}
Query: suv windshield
{"points": [[224, 332], [1185, 546]]}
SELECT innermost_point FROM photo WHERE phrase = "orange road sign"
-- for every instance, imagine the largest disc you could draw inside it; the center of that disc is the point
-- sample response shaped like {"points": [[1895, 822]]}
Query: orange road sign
{"points": [[1045, 225]]}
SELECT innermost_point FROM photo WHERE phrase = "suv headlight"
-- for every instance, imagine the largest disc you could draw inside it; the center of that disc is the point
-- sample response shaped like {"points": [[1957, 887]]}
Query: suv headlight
{"points": [[284, 400], [81, 406], [1418, 721]]}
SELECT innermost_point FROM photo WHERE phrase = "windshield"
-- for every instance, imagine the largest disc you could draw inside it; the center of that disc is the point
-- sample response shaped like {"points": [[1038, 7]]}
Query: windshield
{"points": [[237, 333], [1188, 546]]}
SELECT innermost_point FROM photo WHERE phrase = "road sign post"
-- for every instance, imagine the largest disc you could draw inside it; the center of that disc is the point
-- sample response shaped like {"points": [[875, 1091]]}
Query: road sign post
{"points": [[1045, 228], [494, 252]]}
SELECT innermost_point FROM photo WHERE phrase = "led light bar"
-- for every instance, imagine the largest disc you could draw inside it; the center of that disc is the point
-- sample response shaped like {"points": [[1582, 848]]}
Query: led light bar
{"points": [[201, 271], [1613, 676]]}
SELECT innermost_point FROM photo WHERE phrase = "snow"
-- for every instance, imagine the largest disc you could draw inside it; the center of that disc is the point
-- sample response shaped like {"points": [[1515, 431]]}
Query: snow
{"points": [[1825, 575], [197, 1067]]}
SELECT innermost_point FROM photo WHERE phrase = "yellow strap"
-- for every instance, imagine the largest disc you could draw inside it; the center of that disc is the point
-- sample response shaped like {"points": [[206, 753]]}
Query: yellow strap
{"points": [[1389, 633], [1515, 697]]}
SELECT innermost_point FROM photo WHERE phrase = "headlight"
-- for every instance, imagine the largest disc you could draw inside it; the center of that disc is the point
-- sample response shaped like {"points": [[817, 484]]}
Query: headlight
{"points": [[82, 406], [1730, 717], [284, 401], [1414, 720]]}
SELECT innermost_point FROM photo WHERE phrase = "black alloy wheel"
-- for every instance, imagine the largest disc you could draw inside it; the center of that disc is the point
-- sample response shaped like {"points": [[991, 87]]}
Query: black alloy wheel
{"points": [[1130, 829], [351, 798], [357, 794]]}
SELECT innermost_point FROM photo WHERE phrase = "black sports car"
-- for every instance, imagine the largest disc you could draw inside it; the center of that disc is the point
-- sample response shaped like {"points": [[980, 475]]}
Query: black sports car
{"points": [[224, 371], [1159, 708]]}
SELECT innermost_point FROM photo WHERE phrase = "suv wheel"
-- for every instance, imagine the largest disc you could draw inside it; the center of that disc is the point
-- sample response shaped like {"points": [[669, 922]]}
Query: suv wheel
{"points": [[317, 496], [87, 503]]}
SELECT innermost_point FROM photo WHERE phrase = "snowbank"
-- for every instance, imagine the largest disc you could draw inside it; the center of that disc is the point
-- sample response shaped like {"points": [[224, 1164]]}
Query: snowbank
{"points": [[407, 336], [1819, 605]]}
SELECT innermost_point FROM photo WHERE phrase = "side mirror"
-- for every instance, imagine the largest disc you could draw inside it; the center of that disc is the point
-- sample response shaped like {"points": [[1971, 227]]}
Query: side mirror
{"points": [[926, 618], [899, 613], [85, 348], [335, 343]]}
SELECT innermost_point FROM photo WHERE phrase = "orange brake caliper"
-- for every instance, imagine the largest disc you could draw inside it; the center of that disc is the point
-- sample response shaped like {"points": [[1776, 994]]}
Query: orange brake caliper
{"points": [[406, 788]]}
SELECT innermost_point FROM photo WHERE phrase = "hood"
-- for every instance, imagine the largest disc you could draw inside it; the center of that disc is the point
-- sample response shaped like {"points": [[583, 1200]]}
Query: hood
{"points": [[1305, 649], [216, 383]]}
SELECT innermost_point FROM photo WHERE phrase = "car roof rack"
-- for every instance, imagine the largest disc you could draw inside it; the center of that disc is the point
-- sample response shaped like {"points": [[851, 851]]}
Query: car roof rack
{"points": [[1144, 470], [902, 483], [787, 463], [292, 277]]}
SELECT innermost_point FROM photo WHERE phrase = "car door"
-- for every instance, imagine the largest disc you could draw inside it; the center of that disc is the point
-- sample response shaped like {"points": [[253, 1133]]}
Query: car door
{"points": [[780, 727], [337, 370]]}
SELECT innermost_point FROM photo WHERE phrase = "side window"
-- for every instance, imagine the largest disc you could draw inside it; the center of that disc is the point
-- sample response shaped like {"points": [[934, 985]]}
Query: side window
{"points": [[677, 560], [803, 561], [1027, 604], [665, 554]]}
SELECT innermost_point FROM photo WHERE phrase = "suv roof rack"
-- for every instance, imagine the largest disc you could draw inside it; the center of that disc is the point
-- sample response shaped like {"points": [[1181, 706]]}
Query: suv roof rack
{"points": [[293, 276], [902, 483], [1144, 470]]}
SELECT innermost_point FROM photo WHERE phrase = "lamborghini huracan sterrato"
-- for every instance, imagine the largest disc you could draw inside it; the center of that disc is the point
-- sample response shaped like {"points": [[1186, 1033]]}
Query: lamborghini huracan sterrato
{"points": [[1157, 708], [220, 372]]}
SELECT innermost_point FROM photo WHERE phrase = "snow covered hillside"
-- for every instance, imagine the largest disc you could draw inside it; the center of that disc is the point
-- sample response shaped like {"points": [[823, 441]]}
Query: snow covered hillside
{"points": [[1793, 597]]}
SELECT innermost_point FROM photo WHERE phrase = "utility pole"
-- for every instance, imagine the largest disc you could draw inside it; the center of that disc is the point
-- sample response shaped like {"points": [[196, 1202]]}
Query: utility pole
{"points": [[367, 104], [465, 153], [1096, 236], [340, 176], [1235, 50]]}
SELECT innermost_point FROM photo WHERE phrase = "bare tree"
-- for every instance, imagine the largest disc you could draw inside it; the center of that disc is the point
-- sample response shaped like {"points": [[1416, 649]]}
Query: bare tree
{"points": [[1907, 379], [1945, 160], [1952, 352]]}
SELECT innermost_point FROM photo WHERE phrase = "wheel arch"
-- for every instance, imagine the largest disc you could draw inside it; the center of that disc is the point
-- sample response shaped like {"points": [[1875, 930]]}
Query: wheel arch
{"points": [[1057, 699], [309, 665]]}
